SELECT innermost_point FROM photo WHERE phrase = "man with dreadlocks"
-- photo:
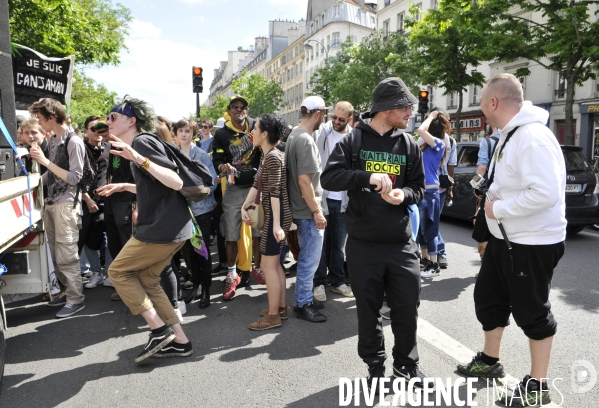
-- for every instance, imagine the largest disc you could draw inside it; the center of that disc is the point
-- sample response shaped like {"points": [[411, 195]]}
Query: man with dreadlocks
{"points": [[136, 271]]}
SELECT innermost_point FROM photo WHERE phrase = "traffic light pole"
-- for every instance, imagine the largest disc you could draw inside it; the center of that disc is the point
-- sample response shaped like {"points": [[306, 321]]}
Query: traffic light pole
{"points": [[197, 106]]}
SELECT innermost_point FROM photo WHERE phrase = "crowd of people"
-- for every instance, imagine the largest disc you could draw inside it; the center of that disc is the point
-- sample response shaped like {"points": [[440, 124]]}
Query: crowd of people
{"points": [[356, 201]]}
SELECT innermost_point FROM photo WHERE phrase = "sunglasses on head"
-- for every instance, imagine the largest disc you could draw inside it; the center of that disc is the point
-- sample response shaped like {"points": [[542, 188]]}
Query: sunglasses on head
{"points": [[342, 120], [238, 107]]}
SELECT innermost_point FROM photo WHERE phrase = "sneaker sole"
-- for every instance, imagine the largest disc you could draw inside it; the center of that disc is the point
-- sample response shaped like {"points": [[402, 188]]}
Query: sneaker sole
{"points": [[174, 354], [310, 320], [429, 275], [340, 292], [70, 314], [155, 349], [467, 373], [56, 304]]}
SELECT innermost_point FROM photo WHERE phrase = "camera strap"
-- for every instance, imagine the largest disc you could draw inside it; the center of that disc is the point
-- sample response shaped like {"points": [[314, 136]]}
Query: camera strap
{"points": [[507, 139]]}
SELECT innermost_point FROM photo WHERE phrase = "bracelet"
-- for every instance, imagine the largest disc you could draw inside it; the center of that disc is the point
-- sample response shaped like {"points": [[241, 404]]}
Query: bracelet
{"points": [[145, 165], [316, 211]]}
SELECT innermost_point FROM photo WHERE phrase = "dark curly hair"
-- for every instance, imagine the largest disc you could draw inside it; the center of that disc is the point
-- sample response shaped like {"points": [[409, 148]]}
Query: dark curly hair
{"points": [[275, 127]]}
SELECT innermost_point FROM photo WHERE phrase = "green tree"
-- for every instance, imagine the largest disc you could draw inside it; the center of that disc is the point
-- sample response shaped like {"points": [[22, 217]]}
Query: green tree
{"points": [[446, 45], [559, 35], [215, 111], [356, 70], [263, 96], [92, 30], [88, 98]]}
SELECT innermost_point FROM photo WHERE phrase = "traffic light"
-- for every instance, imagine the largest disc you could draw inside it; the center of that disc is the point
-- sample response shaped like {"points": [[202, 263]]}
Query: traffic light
{"points": [[423, 102], [198, 79]]}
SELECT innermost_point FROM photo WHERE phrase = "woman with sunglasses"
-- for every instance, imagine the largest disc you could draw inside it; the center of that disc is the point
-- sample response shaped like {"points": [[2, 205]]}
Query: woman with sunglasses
{"points": [[205, 143], [272, 181]]}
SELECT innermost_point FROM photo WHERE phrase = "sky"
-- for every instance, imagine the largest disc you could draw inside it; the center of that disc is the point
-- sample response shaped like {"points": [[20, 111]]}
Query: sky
{"points": [[167, 38]]}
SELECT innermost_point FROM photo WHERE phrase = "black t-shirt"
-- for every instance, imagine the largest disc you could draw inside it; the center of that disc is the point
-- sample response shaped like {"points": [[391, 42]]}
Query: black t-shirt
{"points": [[119, 171], [163, 213]]}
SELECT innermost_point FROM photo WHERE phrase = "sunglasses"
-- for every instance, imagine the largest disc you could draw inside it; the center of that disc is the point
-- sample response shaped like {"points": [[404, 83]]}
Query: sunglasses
{"points": [[342, 120], [112, 117], [206, 127], [238, 107]]}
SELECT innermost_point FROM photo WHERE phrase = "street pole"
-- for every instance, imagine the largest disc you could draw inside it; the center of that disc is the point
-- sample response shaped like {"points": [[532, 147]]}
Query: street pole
{"points": [[197, 106]]}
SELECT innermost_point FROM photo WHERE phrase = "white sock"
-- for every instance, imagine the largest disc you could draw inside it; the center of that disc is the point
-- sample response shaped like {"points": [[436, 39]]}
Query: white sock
{"points": [[232, 271]]}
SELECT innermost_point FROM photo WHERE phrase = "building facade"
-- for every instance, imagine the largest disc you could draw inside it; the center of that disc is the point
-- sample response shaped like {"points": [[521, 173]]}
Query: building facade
{"points": [[544, 88], [328, 24]]}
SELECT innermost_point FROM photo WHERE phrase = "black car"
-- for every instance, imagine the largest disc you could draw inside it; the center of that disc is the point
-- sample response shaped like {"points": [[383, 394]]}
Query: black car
{"points": [[582, 202]]}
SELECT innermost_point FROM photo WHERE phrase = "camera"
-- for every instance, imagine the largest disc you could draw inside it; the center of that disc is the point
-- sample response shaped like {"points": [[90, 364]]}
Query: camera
{"points": [[477, 182]]}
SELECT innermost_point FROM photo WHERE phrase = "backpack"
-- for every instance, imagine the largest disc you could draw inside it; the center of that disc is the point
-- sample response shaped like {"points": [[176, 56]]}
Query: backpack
{"points": [[89, 171], [196, 177]]}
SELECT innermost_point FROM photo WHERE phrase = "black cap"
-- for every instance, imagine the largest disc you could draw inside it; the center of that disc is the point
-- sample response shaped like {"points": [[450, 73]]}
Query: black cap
{"points": [[391, 93]]}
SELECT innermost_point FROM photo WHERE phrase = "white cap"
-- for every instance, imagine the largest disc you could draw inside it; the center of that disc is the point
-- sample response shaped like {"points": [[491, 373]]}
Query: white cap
{"points": [[220, 123], [314, 103]]}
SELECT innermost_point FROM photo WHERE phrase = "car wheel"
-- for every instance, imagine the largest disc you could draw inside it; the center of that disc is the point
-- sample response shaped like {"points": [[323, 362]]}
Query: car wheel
{"points": [[574, 229]]}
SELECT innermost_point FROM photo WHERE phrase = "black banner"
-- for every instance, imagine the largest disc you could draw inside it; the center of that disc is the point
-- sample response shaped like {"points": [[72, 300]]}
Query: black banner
{"points": [[37, 76]]}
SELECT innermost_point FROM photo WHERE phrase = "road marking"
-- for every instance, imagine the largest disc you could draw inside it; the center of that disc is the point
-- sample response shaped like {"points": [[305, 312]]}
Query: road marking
{"points": [[590, 234], [454, 348]]}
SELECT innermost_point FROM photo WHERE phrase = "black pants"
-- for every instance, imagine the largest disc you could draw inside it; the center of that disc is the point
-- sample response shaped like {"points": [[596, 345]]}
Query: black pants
{"points": [[200, 267], [519, 287], [376, 268], [169, 279], [220, 237], [117, 220]]}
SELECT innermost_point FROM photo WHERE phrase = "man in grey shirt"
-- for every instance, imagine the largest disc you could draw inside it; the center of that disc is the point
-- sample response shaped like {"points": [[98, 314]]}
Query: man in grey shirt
{"points": [[305, 196], [62, 214]]}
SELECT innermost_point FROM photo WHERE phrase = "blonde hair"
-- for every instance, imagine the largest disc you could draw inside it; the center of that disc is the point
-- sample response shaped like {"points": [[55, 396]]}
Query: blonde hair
{"points": [[506, 88]]}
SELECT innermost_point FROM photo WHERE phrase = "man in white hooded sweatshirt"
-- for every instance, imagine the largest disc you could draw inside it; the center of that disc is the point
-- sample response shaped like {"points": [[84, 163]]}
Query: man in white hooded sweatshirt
{"points": [[527, 194]]}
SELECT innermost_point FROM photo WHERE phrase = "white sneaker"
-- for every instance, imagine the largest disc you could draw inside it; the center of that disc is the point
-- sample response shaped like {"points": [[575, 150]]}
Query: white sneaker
{"points": [[182, 307], [95, 280], [343, 289], [320, 294], [179, 315], [108, 282]]}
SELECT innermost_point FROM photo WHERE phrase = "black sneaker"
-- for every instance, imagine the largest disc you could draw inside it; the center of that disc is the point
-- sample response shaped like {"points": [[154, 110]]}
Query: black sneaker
{"points": [[245, 278], [219, 270], [478, 368], [424, 263], [317, 305], [309, 313], [526, 394], [431, 270], [155, 343], [409, 372], [59, 301], [375, 372], [175, 349], [443, 263]]}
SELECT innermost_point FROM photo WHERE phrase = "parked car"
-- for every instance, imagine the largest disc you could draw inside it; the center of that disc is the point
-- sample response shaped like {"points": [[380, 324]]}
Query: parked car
{"points": [[582, 187]]}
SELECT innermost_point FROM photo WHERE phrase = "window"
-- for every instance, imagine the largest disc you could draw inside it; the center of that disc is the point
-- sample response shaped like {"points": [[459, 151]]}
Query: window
{"points": [[336, 10], [452, 100], [400, 18], [435, 4], [562, 84], [474, 96], [328, 41], [386, 28], [336, 39], [418, 16], [387, 2], [468, 156]]}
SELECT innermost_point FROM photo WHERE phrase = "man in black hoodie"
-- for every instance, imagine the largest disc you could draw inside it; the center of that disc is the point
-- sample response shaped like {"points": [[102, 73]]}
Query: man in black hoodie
{"points": [[381, 169]]}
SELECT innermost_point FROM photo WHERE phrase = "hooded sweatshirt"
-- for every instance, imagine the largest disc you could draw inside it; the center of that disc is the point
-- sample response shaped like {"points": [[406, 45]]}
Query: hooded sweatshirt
{"points": [[369, 217], [529, 181], [321, 136]]}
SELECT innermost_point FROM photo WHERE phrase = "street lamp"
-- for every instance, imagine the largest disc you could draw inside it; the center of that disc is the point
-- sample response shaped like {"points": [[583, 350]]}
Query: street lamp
{"points": [[309, 47]]}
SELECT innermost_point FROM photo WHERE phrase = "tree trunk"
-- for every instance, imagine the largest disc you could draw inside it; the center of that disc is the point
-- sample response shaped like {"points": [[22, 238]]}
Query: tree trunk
{"points": [[570, 87], [458, 115]]}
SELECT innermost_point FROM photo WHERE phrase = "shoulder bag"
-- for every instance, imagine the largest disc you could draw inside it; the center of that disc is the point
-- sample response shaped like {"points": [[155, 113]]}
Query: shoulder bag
{"points": [[255, 209]]}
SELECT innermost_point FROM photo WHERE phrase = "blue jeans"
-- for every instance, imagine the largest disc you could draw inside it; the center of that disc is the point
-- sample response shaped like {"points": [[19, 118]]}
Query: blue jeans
{"points": [[310, 241], [90, 260], [440, 242], [429, 220], [336, 229]]}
